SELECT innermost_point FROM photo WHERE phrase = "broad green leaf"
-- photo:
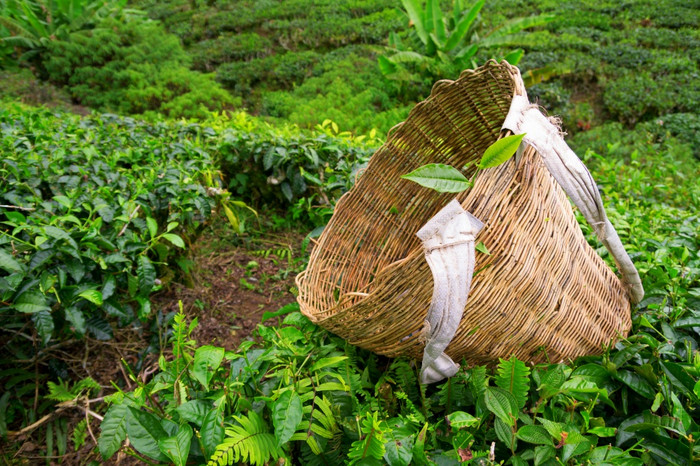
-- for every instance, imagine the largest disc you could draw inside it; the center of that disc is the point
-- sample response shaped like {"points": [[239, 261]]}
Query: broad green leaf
{"points": [[76, 318], [386, 66], [594, 373], [680, 413], [413, 8], [501, 403], [419, 446], [43, 322], [327, 362], [580, 386], [57, 233], [440, 177], [679, 377], [212, 431], [175, 239], [99, 327], [152, 226], [177, 447], [504, 433], [146, 274], [624, 355], [460, 419], [144, 431], [9, 264], [30, 302], [113, 430], [462, 28], [286, 415], [232, 219], [500, 151], [94, 296], [108, 288], [514, 377], [399, 446], [481, 247], [207, 360], [544, 453], [514, 57], [651, 422], [635, 382], [553, 428], [440, 34], [194, 411], [292, 307], [534, 434], [603, 431]]}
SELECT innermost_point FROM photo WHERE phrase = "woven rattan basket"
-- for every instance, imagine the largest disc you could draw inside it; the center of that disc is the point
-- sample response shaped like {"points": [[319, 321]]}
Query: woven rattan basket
{"points": [[543, 292]]}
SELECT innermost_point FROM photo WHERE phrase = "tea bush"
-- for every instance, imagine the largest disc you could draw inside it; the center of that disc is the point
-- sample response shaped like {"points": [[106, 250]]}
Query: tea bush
{"points": [[274, 166], [118, 66]]}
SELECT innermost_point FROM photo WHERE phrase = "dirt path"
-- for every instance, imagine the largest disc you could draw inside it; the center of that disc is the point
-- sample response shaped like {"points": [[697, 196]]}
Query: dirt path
{"points": [[232, 286]]}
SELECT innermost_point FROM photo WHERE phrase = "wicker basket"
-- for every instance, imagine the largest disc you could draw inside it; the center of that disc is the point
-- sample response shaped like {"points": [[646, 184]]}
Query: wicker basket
{"points": [[542, 293]]}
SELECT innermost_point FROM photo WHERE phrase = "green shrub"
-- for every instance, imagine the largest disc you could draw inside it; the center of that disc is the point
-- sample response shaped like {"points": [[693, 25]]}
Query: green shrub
{"points": [[641, 96], [282, 167], [133, 67], [92, 213], [208, 54], [347, 88], [28, 27], [282, 71]]}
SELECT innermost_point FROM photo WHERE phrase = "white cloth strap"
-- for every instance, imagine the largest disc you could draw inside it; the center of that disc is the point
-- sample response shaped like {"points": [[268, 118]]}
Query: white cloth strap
{"points": [[573, 176], [448, 238], [448, 241]]}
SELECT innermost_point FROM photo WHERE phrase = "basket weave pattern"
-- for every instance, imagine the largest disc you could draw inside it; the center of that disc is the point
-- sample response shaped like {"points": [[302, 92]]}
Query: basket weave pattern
{"points": [[541, 287]]}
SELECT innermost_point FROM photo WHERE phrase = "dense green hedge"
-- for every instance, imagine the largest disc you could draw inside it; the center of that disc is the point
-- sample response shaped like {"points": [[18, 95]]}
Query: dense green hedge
{"points": [[90, 208], [133, 67]]}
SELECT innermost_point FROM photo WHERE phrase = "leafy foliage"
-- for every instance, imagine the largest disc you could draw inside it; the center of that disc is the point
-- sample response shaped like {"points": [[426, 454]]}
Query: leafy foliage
{"points": [[117, 66], [92, 211], [30, 26], [248, 442], [441, 47]]}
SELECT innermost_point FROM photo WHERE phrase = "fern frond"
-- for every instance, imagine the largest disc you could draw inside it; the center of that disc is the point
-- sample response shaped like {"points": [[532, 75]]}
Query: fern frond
{"points": [[405, 376], [514, 377], [59, 391], [478, 381], [455, 393], [249, 443], [371, 444], [413, 414]]}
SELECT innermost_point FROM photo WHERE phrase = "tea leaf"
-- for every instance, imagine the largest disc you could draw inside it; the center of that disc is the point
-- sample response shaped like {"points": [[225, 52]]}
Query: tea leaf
{"points": [[500, 151], [113, 430], [207, 359], [440, 177], [286, 416], [177, 447]]}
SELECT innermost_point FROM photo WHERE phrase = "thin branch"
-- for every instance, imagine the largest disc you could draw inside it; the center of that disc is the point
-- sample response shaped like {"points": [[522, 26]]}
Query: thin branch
{"points": [[131, 216], [26, 209]]}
